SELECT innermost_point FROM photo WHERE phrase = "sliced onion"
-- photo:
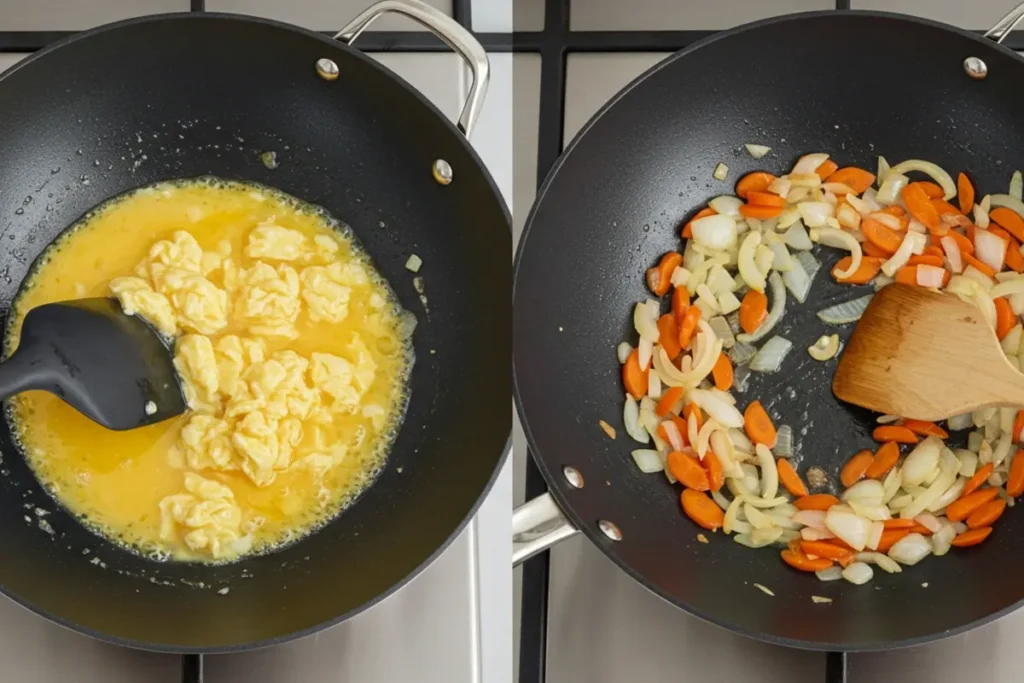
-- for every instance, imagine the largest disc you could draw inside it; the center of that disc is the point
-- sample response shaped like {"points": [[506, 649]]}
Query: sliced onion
{"points": [[883, 170], [981, 218], [725, 453], [745, 260], [922, 461], [740, 441], [675, 438], [757, 519], [884, 562], [815, 519], [937, 174], [787, 218], [692, 431], [796, 237], [715, 232], [848, 217], [951, 494], [631, 418], [722, 411], [846, 312], [732, 521], [812, 534], [889, 191], [1016, 186], [723, 331], [942, 539], [645, 320], [771, 355], [953, 255], [842, 240], [815, 214], [874, 513], [910, 549], [742, 353], [647, 460], [703, 442], [623, 351], [913, 243], [887, 219], [757, 151], [858, 573], [769, 471], [809, 163], [1007, 287], [645, 350], [928, 521], [891, 485], [774, 315], [727, 205], [781, 186], [797, 281], [848, 526], [674, 377], [866, 491], [654, 385], [861, 206], [875, 535], [990, 249], [948, 467], [1002, 449], [930, 276], [784, 442], [782, 262], [831, 574]]}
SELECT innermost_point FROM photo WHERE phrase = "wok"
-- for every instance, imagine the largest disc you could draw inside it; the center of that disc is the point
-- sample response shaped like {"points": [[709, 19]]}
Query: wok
{"points": [[179, 96], [615, 201]]}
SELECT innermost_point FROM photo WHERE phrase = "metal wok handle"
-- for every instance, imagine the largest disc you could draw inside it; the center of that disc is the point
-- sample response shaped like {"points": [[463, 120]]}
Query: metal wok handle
{"points": [[445, 28], [1003, 27], [536, 526]]}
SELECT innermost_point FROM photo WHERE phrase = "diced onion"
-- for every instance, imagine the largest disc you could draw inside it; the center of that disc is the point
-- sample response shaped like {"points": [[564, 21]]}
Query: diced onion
{"points": [[721, 171], [981, 218], [675, 438], [645, 320], [848, 217], [858, 573], [780, 186], [742, 353], [848, 526], [631, 418], [910, 549], [757, 151], [842, 240], [814, 214], [889, 191], [952, 249], [771, 355], [968, 460], [1016, 186], [647, 460], [928, 521], [930, 276], [846, 312], [726, 414], [814, 519], [796, 237], [942, 539], [867, 491], [948, 467], [883, 170], [831, 574], [727, 205], [715, 232], [937, 174], [645, 349], [623, 351], [774, 315], [745, 260], [913, 243], [809, 163], [883, 561], [875, 535], [922, 461], [784, 442], [990, 249]]}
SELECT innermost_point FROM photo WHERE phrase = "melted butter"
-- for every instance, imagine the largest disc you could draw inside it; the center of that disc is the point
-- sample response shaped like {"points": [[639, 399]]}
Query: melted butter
{"points": [[115, 481]]}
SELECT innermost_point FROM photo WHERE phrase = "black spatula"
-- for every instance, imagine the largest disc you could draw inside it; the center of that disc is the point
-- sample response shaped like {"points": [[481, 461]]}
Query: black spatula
{"points": [[113, 368]]}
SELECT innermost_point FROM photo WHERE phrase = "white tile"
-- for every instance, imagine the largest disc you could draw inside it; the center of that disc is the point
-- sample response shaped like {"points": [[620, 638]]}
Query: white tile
{"points": [[528, 15], [320, 15], [603, 15], [592, 79], [63, 15], [493, 16], [7, 60], [980, 14]]}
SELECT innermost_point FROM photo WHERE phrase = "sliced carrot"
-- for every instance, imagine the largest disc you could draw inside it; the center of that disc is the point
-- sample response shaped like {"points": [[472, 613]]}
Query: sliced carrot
{"points": [[889, 538], [713, 466], [816, 501], [898, 523], [868, 269], [703, 213], [966, 245], [682, 426], [943, 207], [919, 528], [803, 563], [874, 251], [925, 260], [925, 428], [693, 408], [1015, 479], [894, 433], [972, 537], [885, 458], [758, 181], [753, 310], [701, 509], [758, 211], [680, 302], [983, 267], [882, 236], [790, 479], [1018, 426], [659, 278], [823, 549], [826, 168], [932, 250], [1014, 259], [964, 193], [975, 482], [855, 468], [1009, 220], [962, 508], [765, 199], [857, 179], [932, 190], [687, 470], [907, 275], [987, 514], [668, 399], [688, 326], [668, 335], [921, 208], [633, 377], [758, 425], [722, 372], [1005, 317]]}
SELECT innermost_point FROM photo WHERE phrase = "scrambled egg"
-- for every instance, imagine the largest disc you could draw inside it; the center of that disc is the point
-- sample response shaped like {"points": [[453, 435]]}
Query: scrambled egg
{"points": [[207, 518]]}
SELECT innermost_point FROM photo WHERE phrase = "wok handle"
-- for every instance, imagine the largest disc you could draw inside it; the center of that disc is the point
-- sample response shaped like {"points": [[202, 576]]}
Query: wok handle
{"points": [[1003, 27], [191, 669], [536, 526], [448, 30]]}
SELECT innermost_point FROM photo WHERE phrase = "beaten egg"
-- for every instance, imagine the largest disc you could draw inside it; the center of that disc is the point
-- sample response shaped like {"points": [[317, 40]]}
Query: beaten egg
{"points": [[292, 351]]}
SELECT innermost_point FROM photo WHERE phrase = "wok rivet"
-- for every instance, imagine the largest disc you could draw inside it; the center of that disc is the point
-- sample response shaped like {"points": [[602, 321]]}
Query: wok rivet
{"points": [[976, 68], [442, 172], [609, 529], [327, 69], [573, 476]]}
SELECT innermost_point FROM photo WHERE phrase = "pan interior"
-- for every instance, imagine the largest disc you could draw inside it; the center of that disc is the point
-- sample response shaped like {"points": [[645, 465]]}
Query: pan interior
{"points": [[616, 203]]}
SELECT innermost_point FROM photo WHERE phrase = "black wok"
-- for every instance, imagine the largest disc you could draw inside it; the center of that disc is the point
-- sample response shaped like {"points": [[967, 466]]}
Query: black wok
{"points": [[850, 83], [181, 96]]}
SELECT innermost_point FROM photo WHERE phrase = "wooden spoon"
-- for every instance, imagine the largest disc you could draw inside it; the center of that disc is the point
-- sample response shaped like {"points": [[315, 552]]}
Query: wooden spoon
{"points": [[924, 355]]}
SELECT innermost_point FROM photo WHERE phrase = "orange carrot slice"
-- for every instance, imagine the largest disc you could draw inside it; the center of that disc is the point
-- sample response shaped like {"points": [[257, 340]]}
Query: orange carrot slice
{"points": [[633, 377], [713, 466], [680, 302], [702, 510], [758, 181], [659, 278], [962, 508], [975, 482], [868, 269], [857, 179], [722, 372], [874, 251], [855, 468], [921, 208], [1006, 319], [816, 501], [753, 310], [926, 260], [1015, 479], [1018, 426], [889, 538], [894, 433], [883, 237], [907, 275], [972, 537], [758, 425], [885, 458], [760, 212], [932, 190], [987, 514], [803, 563], [687, 470], [668, 335], [1009, 220], [756, 198], [966, 245], [668, 399], [944, 207], [791, 480], [983, 267], [965, 193], [824, 549], [925, 428], [688, 326], [827, 168]]}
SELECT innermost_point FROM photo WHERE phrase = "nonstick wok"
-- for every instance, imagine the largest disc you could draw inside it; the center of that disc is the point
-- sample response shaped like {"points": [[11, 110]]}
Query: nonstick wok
{"points": [[179, 96], [856, 85]]}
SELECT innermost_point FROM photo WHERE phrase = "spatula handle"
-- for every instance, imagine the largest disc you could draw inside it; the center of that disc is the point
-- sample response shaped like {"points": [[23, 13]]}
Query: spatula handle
{"points": [[21, 373]]}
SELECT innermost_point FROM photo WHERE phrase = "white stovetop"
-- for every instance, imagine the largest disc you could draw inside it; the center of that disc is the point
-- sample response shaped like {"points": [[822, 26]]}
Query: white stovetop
{"points": [[452, 624]]}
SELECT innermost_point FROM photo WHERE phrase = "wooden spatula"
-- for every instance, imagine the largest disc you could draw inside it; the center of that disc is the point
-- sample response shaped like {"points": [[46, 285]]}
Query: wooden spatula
{"points": [[924, 355]]}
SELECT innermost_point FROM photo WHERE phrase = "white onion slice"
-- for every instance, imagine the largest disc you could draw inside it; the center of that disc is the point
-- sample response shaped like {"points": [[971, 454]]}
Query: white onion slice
{"points": [[831, 237], [726, 205], [675, 438], [948, 467], [780, 186], [783, 442], [910, 549], [797, 280], [812, 534], [990, 249], [631, 418], [796, 237], [647, 460], [815, 214], [1016, 186], [981, 218], [928, 521], [889, 191], [769, 471], [645, 320], [732, 521], [830, 574], [757, 151], [942, 539], [814, 519], [745, 260], [645, 350], [715, 232], [722, 411], [774, 315], [937, 174], [883, 561], [846, 312], [912, 243], [858, 573], [850, 527], [875, 535], [769, 358], [922, 461], [930, 276], [887, 219], [674, 377], [866, 491], [703, 441], [623, 351], [809, 163], [883, 170], [1008, 287], [951, 494], [953, 255]]}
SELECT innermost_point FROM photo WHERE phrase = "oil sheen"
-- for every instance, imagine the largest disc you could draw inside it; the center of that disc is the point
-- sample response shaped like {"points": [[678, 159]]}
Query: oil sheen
{"points": [[294, 357]]}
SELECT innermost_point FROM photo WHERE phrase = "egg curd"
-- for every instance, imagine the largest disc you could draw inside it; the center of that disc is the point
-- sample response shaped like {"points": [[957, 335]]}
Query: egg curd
{"points": [[293, 354]]}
